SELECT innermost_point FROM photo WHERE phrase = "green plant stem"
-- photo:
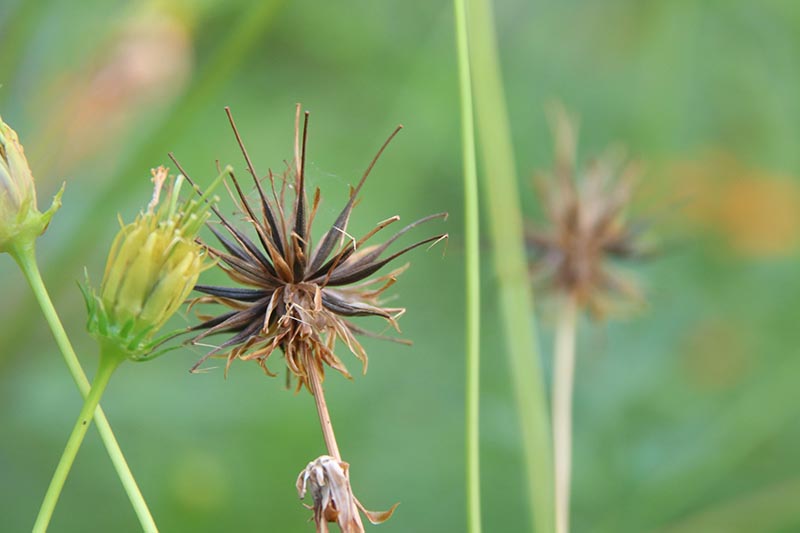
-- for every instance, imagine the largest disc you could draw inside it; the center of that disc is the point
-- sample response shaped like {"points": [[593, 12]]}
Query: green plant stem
{"points": [[108, 363], [563, 380], [471, 237], [505, 225], [25, 256]]}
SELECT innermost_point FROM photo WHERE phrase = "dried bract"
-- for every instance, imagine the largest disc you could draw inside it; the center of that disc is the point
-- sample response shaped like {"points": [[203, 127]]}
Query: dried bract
{"points": [[328, 481]]}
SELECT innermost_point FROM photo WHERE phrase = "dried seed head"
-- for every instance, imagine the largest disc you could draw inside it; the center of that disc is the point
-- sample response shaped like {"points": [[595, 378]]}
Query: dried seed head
{"points": [[328, 481], [587, 225], [152, 267], [20, 220], [298, 297]]}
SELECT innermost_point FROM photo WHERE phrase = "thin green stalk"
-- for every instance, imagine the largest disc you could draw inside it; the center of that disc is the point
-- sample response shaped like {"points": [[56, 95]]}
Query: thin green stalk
{"points": [[108, 363], [505, 224], [471, 237], [25, 257], [563, 381]]}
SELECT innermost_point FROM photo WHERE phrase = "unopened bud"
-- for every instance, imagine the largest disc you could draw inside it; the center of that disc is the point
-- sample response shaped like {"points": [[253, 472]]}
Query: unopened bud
{"points": [[152, 267], [20, 220]]}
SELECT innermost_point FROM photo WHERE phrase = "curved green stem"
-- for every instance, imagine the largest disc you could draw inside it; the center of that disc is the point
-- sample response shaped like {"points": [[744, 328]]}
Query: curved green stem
{"points": [[25, 257], [108, 363], [471, 231]]}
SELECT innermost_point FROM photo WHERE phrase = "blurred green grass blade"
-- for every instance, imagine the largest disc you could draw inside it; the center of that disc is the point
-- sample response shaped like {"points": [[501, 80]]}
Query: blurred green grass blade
{"points": [[515, 295], [14, 31], [772, 509], [473, 285], [695, 468], [211, 77]]}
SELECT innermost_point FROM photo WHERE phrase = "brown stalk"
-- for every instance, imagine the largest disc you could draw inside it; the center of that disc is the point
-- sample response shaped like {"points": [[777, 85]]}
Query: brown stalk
{"points": [[322, 407], [314, 381]]}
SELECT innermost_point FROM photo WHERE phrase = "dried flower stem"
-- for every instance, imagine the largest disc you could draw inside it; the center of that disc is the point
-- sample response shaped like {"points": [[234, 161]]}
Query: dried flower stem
{"points": [[108, 363], [26, 259], [322, 407], [327, 427], [563, 380]]}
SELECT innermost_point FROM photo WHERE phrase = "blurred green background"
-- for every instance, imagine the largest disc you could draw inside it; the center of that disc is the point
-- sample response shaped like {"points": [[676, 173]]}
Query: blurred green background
{"points": [[686, 415]]}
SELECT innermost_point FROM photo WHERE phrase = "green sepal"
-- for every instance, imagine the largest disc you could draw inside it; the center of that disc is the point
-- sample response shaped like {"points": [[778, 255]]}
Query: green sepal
{"points": [[29, 226]]}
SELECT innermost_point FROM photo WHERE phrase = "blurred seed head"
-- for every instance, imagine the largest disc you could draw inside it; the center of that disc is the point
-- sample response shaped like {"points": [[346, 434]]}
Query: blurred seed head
{"points": [[20, 220], [586, 227], [153, 264], [328, 482], [298, 297]]}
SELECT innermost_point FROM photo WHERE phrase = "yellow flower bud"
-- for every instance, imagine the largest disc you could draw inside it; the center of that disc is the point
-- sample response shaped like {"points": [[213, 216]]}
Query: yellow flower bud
{"points": [[152, 267], [20, 220]]}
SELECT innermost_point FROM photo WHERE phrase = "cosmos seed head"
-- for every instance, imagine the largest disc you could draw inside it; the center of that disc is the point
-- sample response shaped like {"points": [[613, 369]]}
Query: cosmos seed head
{"points": [[294, 294], [587, 227]]}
